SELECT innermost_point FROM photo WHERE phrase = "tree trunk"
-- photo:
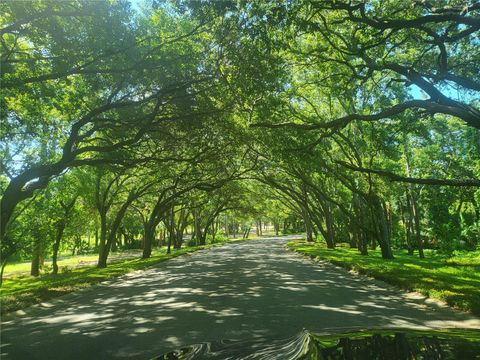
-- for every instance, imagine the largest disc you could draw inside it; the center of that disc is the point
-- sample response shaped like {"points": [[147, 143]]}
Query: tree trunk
{"points": [[169, 243], [416, 220], [115, 244], [317, 221], [203, 237], [35, 268], [180, 228], [148, 240], [102, 257], [227, 234], [407, 224], [152, 223], [171, 235], [4, 263], [96, 237], [410, 247], [179, 240], [330, 226], [214, 229], [112, 236], [359, 232], [308, 224], [36, 177], [5, 255], [415, 212], [56, 245], [259, 228], [196, 227], [381, 226], [414, 224], [163, 236]]}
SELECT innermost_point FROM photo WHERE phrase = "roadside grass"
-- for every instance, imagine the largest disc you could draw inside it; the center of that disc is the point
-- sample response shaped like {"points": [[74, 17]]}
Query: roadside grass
{"points": [[22, 291], [454, 280], [15, 269], [464, 258], [398, 343], [467, 335]]}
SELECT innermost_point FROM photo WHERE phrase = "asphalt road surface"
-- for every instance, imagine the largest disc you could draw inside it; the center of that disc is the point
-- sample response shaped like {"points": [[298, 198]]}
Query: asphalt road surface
{"points": [[239, 291]]}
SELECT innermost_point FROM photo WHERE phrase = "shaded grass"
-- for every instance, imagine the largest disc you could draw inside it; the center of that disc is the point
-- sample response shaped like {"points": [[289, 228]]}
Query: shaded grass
{"points": [[398, 344], [468, 335], [453, 280], [19, 292]]}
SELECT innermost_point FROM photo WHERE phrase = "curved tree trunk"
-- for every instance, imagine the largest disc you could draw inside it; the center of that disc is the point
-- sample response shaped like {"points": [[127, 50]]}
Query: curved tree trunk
{"points": [[308, 225], [148, 240], [112, 233], [329, 222], [56, 246], [380, 224], [67, 208], [4, 263]]}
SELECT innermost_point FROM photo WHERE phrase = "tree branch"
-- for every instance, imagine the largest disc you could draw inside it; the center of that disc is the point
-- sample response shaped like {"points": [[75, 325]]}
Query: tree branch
{"points": [[425, 181]]}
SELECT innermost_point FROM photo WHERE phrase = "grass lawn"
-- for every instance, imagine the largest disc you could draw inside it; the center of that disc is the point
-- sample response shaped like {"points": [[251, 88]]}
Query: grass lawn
{"points": [[16, 269], [396, 344], [468, 335], [455, 280], [22, 291]]}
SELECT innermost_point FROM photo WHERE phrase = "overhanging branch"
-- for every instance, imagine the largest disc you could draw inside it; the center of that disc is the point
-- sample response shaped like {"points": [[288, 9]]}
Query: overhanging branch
{"points": [[341, 122], [425, 181]]}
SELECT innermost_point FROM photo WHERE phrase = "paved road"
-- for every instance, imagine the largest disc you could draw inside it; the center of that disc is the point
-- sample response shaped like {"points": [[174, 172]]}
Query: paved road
{"points": [[242, 290]]}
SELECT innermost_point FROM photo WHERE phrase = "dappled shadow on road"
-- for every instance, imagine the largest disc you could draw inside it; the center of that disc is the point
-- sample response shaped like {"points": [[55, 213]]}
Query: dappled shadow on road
{"points": [[243, 290]]}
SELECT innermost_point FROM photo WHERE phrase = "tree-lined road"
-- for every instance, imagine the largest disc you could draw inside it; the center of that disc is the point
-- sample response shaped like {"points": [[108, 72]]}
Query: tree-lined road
{"points": [[239, 291]]}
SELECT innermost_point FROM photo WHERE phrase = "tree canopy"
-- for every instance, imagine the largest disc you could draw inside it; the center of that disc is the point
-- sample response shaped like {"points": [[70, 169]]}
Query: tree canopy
{"points": [[139, 123]]}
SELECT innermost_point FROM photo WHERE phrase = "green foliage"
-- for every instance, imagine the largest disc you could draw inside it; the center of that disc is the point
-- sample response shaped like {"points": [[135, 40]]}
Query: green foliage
{"points": [[356, 123]]}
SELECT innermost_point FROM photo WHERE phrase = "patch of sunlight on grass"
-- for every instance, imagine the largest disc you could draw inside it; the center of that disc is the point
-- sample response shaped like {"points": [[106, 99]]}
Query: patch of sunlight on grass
{"points": [[72, 261]]}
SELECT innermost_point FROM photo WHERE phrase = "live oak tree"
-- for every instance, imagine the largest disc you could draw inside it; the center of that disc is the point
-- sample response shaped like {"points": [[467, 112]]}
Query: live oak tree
{"points": [[353, 121], [384, 54], [93, 81]]}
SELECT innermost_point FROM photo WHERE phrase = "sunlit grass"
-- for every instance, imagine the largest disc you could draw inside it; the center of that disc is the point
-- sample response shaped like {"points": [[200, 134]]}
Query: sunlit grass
{"points": [[69, 262], [455, 280]]}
